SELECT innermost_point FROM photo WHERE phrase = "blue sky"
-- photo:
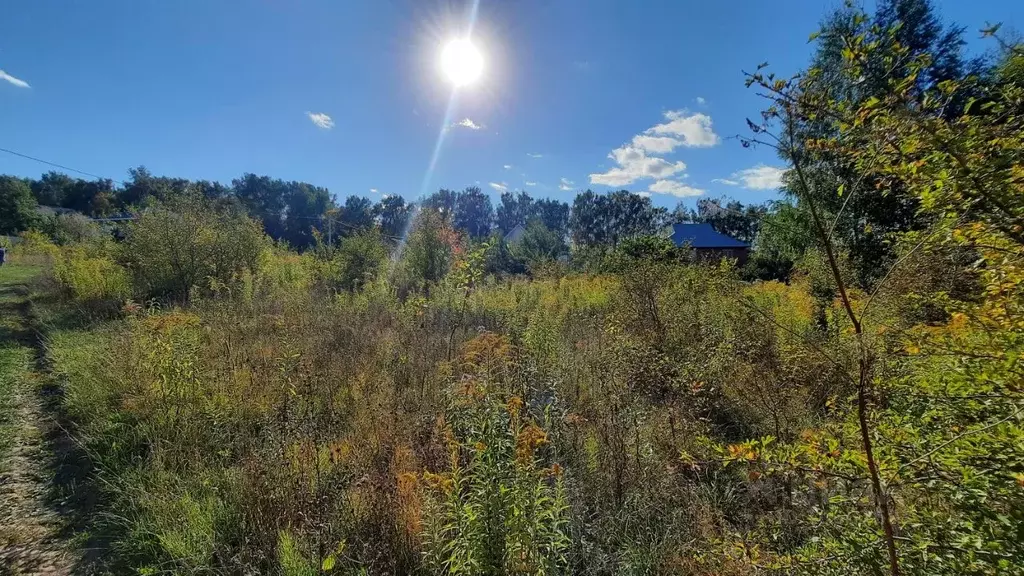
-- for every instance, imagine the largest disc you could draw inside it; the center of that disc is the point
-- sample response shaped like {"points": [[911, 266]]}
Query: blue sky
{"points": [[212, 89]]}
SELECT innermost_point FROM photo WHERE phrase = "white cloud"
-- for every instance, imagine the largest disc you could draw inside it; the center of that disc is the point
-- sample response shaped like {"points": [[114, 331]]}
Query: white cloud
{"points": [[674, 188], [16, 81], [508, 166], [534, 155], [701, 100], [655, 144], [466, 123], [695, 130], [639, 159], [503, 187], [760, 177], [530, 183], [565, 184], [634, 164], [644, 194], [321, 120], [373, 190]]}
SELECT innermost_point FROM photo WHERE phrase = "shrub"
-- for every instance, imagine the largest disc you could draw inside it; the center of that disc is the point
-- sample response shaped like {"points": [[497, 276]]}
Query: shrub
{"points": [[90, 275], [358, 259], [64, 229], [188, 243], [428, 252]]}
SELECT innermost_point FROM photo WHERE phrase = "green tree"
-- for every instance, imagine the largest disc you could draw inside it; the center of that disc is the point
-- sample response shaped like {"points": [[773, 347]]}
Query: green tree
{"points": [[538, 245], [264, 199], [52, 188], [553, 214], [513, 210], [17, 205], [473, 213], [356, 215], [305, 209], [443, 201], [605, 220], [394, 215], [866, 215]]}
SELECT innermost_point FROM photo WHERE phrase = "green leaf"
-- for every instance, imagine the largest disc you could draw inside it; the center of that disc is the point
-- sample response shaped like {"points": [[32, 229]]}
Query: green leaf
{"points": [[328, 564]]}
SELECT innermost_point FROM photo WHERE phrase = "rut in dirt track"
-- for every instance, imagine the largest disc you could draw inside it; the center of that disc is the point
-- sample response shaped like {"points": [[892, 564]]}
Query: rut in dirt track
{"points": [[32, 535]]}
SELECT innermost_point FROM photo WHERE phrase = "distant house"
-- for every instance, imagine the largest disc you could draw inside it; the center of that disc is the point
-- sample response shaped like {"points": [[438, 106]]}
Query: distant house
{"points": [[515, 235], [706, 243]]}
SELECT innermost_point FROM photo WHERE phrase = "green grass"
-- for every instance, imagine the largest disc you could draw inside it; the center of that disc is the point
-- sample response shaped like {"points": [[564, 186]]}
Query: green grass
{"points": [[14, 366], [12, 275], [15, 356]]}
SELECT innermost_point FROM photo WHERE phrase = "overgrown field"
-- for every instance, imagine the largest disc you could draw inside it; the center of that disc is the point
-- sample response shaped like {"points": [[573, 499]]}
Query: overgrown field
{"points": [[438, 400]]}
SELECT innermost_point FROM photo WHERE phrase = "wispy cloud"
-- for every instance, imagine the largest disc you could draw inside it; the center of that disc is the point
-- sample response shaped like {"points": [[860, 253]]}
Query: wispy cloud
{"points": [[565, 184], [528, 183], [760, 177], [373, 190], [321, 120], [701, 100], [466, 123], [16, 81], [674, 188], [508, 166], [500, 187], [534, 155], [641, 157]]}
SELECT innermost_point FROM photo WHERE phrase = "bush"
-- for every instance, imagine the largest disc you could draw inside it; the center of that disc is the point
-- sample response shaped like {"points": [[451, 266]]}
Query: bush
{"points": [[358, 260], [64, 229], [91, 275], [191, 243]]}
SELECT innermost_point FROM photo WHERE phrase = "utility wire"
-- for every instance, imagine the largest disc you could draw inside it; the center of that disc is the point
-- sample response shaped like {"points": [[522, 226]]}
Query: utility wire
{"points": [[61, 166]]}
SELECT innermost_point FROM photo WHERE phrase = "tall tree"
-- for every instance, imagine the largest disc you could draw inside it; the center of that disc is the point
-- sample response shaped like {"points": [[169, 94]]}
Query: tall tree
{"points": [[306, 206], [513, 210], [17, 205], [473, 213], [607, 219], [264, 198], [52, 188], [443, 201], [356, 214], [866, 214], [553, 214], [394, 214], [94, 198]]}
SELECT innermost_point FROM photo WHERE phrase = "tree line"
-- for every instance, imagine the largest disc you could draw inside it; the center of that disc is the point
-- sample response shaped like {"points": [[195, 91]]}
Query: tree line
{"points": [[297, 212]]}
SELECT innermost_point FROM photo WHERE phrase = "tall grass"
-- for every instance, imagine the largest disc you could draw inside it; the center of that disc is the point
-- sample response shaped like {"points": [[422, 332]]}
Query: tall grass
{"points": [[518, 427]]}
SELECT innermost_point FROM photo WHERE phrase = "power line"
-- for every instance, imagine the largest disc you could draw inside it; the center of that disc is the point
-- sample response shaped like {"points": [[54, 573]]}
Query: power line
{"points": [[61, 166]]}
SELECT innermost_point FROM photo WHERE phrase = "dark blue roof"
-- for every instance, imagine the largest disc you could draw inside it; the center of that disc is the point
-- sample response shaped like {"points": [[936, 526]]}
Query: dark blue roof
{"points": [[702, 236]]}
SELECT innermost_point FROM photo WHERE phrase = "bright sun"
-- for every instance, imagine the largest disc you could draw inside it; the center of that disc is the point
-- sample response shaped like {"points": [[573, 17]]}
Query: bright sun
{"points": [[462, 62]]}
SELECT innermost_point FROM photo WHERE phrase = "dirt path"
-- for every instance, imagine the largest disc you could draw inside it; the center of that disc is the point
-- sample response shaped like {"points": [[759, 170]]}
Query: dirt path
{"points": [[30, 522]]}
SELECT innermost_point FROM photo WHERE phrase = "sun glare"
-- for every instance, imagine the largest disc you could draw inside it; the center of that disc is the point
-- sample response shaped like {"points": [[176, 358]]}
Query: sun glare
{"points": [[462, 62]]}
